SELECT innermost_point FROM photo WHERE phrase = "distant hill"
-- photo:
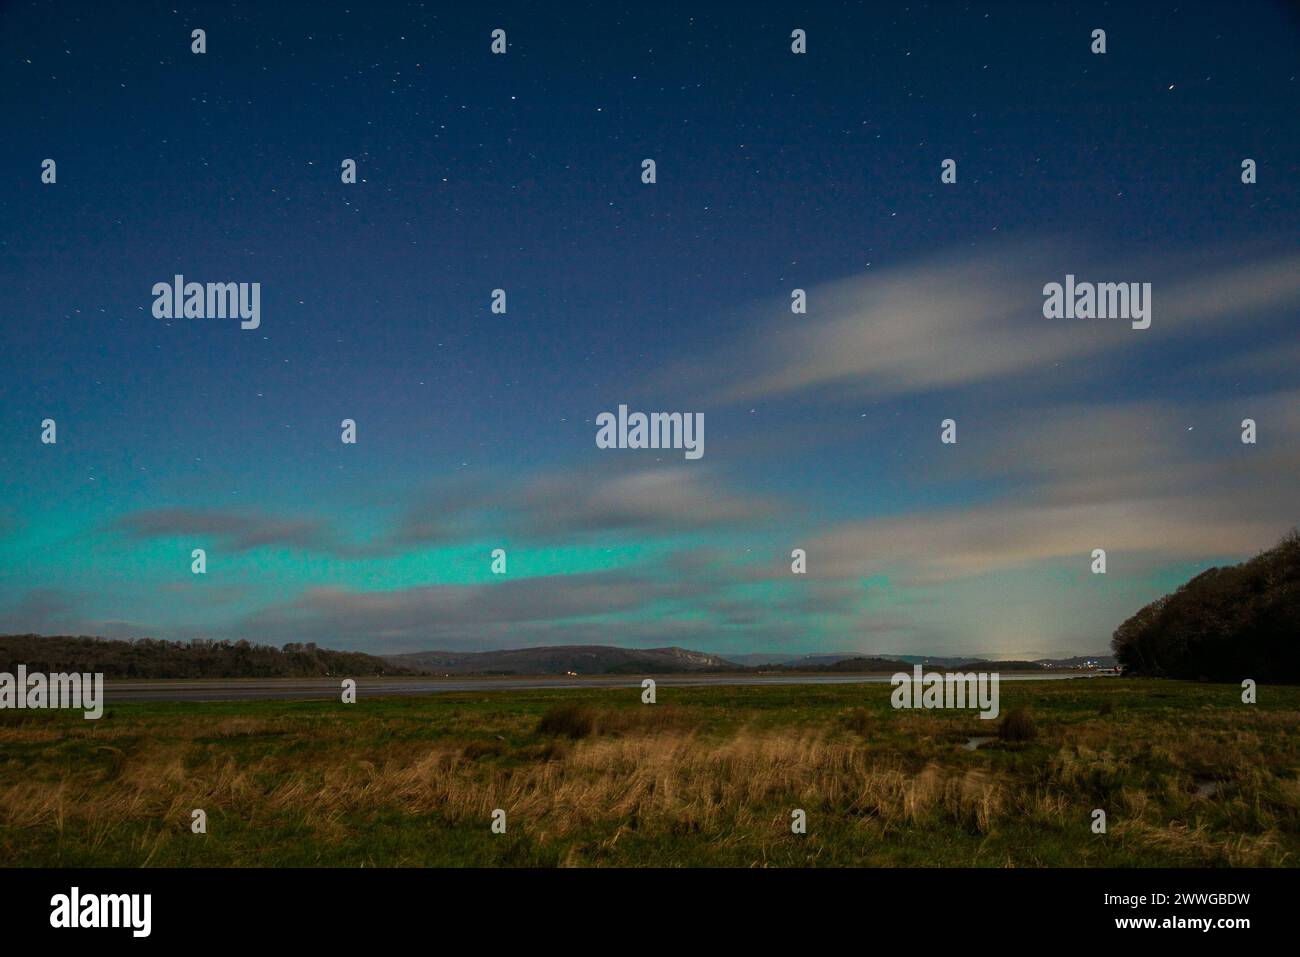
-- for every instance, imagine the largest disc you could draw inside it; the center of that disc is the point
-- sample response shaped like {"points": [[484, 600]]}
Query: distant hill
{"points": [[894, 665], [879, 662], [1225, 624], [758, 660], [851, 665], [980, 664], [558, 660], [822, 660], [148, 658], [827, 659], [607, 660], [1079, 661]]}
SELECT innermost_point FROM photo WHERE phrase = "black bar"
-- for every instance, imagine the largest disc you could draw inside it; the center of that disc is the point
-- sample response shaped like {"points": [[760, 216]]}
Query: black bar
{"points": [[648, 908]]}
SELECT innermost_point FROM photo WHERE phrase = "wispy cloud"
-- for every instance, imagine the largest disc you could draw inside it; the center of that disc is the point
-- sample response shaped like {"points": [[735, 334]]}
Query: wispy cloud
{"points": [[648, 501], [1130, 478], [965, 319], [235, 529]]}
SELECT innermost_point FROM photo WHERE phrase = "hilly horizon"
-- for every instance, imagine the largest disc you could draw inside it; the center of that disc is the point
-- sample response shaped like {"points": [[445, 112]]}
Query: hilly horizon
{"points": [[151, 658], [559, 659], [610, 659]]}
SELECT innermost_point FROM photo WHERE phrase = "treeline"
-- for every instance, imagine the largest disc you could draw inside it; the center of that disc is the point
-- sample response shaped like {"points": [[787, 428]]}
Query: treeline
{"points": [[883, 665], [149, 658], [665, 668], [1225, 624], [844, 666]]}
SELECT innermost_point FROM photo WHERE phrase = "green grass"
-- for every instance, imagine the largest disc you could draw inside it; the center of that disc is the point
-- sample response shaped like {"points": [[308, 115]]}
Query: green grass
{"points": [[708, 776]]}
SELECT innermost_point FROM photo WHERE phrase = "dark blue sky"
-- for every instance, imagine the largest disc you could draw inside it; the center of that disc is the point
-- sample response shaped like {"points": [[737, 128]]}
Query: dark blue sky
{"points": [[775, 171]]}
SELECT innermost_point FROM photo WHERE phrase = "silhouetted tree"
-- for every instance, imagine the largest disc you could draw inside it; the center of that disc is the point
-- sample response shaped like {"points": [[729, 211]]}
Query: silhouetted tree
{"points": [[1224, 625], [201, 658]]}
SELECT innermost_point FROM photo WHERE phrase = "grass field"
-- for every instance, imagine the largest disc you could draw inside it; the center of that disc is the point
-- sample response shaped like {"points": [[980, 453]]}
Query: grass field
{"points": [[1186, 773]]}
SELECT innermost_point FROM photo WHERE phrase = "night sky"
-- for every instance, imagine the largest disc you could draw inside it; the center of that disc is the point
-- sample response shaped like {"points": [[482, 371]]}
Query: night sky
{"points": [[776, 171]]}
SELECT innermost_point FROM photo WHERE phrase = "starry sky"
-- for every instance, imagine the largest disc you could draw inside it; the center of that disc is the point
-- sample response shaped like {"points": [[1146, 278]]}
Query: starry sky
{"points": [[476, 430]]}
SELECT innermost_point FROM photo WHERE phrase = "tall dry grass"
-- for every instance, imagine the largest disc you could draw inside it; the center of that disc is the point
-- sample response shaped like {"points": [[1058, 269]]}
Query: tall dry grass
{"points": [[649, 771]]}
